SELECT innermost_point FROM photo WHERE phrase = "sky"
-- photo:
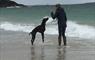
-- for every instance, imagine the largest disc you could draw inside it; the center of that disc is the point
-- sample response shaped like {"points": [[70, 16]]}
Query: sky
{"points": [[51, 2]]}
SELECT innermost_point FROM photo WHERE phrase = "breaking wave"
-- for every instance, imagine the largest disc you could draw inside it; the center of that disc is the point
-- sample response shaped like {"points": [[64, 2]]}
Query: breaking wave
{"points": [[73, 29]]}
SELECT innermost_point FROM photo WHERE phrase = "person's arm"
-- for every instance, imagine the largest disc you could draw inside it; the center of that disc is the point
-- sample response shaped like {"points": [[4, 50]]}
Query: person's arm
{"points": [[54, 15]]}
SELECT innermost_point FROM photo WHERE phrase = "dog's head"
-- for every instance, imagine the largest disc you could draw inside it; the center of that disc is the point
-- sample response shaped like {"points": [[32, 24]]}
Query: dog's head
{"points": [[45, 19]]}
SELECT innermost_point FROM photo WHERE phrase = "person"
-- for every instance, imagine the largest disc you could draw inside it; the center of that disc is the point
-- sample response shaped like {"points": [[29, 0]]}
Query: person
{"points": [[62, 19]]}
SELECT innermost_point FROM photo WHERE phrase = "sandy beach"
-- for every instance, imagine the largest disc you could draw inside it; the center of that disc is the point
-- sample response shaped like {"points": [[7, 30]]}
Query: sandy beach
{"points": [[17, 46]]}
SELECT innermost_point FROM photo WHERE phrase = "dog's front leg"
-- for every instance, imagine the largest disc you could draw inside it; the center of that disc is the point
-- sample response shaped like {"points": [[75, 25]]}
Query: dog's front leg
{"points": [[42, 37]]}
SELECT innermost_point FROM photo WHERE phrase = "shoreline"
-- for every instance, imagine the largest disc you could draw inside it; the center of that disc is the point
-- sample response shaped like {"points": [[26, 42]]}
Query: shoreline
{"points": [[17, 46]]}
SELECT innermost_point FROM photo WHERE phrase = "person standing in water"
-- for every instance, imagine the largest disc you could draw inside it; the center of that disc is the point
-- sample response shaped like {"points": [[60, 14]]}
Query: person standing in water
{"points": [[62, 22]]}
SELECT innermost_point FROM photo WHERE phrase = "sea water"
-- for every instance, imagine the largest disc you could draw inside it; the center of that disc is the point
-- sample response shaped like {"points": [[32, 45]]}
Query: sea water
{"points": [[80, 23]]}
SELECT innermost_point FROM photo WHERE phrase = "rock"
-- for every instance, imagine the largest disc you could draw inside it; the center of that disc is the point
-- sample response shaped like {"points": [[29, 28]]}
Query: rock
{"points": [[8, 3]]}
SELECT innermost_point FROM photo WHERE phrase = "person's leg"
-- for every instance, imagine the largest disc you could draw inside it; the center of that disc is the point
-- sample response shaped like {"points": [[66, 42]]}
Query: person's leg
{"points": [[60, 33], [64, 37], [59, 40]]}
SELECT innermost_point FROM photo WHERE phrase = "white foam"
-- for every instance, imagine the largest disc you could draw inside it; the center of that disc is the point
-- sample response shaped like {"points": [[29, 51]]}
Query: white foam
{"points": [[73, 29], [81, 31], [14, 7], [16, 27]]}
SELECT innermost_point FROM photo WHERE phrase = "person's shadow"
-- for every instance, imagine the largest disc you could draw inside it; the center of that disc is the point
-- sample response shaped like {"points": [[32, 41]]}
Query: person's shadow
{"points": [[61, 55]]}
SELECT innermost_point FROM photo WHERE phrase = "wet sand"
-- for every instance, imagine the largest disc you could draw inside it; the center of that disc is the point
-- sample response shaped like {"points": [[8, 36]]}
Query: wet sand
{"points": [[17, 46]]}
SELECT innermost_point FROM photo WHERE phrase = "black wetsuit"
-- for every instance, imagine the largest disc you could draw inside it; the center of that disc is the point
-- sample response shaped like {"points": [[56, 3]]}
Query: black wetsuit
{"points": [[62, 19]]}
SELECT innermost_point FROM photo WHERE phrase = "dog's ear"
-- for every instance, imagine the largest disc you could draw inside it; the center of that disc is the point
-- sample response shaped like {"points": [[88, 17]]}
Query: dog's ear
{"points": [[47, 18]]}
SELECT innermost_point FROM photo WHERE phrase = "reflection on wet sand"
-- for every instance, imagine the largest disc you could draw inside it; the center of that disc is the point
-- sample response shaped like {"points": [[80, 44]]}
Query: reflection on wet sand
{"points": [[33, 56], [37, 54], [40, 53], [61, 54]]}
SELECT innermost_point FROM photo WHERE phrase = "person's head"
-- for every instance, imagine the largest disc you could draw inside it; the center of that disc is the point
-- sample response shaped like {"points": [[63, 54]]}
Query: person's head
{"points": [[58, 5]]}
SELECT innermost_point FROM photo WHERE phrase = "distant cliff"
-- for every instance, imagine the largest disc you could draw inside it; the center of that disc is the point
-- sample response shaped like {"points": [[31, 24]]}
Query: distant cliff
{"points": [[9, 3]]}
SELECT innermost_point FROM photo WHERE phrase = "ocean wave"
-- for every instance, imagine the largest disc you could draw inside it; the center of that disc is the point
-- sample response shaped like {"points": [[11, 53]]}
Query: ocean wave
{"points": [[14, 7], [73, 29], [16, 27]]}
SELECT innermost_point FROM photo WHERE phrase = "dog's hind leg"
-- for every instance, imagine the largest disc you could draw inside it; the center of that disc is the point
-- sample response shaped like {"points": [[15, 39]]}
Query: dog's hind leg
{"points": [[42, 37], [32, 40]]}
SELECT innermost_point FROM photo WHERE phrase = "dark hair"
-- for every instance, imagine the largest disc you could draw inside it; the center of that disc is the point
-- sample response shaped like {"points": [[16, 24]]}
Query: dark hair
{"points": [[58, 5]]}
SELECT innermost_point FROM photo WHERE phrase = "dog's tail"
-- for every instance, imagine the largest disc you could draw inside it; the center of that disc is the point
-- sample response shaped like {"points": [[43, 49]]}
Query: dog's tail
{"points": [[29, 33]]}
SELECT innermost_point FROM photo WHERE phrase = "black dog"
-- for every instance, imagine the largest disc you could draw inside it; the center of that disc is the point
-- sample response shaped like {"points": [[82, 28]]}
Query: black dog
{"points": [[40, 29]]}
